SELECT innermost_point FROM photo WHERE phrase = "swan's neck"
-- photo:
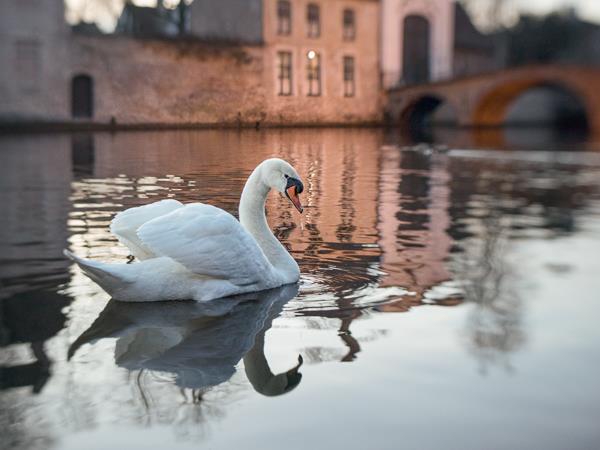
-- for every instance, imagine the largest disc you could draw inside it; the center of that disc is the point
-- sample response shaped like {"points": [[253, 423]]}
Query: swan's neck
{"points": [[253, 219], [259, 373]]}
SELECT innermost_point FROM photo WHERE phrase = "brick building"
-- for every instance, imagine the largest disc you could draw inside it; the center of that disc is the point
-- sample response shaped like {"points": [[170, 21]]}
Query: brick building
{"points": [[323, 68]]}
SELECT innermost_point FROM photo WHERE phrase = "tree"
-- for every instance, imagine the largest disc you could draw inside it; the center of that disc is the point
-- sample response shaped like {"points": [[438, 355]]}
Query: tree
{"points": [[491, 14], [105, 13]]}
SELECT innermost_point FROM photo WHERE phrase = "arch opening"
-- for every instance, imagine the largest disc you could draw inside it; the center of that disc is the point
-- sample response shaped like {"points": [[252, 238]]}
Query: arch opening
{"points": [[82, 96], [416, 50], [426, 113], [533, 103], [547, 105]]}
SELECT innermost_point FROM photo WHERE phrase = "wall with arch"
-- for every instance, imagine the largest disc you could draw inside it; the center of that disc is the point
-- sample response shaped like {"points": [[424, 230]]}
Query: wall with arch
{"points": [[439, 14]]}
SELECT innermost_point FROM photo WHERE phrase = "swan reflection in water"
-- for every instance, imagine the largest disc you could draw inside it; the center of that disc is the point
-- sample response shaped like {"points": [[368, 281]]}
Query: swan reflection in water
{"points": [[199, 343]]}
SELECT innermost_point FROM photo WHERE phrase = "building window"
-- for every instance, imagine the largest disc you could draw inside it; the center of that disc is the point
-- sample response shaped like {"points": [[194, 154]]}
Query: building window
{"points": [[349, 81], [284, 72], [284, 17], [313, 70], [313, 20], [349, 25]]}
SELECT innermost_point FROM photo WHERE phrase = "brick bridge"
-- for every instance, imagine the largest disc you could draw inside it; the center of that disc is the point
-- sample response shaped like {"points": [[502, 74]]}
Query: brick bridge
{"points": [[483, 100]]}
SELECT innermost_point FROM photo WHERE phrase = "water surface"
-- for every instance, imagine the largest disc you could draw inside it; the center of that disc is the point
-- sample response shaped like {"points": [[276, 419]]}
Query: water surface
{"points": [[448, 299]]}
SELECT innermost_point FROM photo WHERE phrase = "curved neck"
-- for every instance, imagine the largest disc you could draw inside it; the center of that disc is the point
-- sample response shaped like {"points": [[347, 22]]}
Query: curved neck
{"points": [[256, 366], [253, 219], [257, 369]]}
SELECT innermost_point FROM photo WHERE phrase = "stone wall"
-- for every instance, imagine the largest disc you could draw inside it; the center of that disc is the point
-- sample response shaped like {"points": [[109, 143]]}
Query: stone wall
{"points": [[170, 82]]}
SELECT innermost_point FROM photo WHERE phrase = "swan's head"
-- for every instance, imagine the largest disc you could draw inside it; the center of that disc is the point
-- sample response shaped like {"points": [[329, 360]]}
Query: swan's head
{"points": [[281, 176]]}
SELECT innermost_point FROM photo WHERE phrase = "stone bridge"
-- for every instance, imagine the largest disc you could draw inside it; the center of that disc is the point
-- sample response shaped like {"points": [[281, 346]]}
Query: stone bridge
{"points": [[483, 100]]}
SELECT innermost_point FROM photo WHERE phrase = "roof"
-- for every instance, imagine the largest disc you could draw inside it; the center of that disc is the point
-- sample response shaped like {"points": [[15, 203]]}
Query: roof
{"points": [[466, 35], [147, 21]]}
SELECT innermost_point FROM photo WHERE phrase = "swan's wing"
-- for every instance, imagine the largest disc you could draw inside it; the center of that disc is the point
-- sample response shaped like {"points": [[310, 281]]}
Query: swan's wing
{"points": [[208, 241], [126, 224]]}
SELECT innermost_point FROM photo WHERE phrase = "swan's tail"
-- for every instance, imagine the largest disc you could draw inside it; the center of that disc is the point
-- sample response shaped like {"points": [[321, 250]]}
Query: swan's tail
{"points": [[101, 273]]}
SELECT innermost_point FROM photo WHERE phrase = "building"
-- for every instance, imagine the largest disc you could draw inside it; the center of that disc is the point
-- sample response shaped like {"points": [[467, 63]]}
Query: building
{"points": [[322, 68], [321, 61], [416, 41], [425, 41], [238, 21], [149, 22], [474, 52], [232, 62], [33, 57]]}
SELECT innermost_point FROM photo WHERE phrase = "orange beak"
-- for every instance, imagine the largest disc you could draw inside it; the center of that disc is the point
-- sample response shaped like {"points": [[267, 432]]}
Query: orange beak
{"points": [[293, 196]]}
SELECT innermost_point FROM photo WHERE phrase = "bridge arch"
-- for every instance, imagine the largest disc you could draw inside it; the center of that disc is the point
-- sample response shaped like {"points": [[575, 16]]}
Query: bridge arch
{"points": [[494, 105], [426, 110], [420, 110], [484, 100]]}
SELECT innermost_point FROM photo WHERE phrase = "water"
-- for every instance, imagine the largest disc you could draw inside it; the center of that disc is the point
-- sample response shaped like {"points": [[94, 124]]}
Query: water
{"points": [[449, 299]]}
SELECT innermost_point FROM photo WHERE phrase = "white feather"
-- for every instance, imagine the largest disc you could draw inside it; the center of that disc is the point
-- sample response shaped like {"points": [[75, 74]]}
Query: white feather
{"points": [[208, 241], [125, 225]]}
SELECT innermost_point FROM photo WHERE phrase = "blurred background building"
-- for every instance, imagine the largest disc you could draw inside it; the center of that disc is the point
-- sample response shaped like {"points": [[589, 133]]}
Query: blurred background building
{"points": [[272, 62]]}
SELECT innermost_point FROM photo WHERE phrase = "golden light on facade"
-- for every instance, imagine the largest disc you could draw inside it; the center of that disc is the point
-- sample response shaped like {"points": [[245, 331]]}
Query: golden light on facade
{"points": [[311, 54]]}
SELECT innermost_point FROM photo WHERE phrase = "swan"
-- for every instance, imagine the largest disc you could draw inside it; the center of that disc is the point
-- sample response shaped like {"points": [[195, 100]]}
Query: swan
{"points": [[198, 251]]}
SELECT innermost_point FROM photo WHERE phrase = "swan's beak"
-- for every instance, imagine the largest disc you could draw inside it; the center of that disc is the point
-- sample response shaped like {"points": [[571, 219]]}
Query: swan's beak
{"points": [[293, 188]]}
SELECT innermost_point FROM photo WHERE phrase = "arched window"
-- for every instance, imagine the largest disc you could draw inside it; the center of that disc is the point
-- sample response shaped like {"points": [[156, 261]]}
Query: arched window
{"points": [[415, 50], [82, 96]]}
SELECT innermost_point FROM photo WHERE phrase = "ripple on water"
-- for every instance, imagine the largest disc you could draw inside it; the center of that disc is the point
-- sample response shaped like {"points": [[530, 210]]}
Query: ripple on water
{"points": [[388, 230]]}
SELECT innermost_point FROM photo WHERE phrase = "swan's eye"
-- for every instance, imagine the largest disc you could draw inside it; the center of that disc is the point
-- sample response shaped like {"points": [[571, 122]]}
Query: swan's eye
{"points": [[286, 175]]}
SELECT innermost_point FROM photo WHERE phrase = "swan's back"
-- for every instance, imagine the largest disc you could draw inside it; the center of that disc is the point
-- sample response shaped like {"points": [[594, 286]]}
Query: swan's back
{"points": [[126, 224]]}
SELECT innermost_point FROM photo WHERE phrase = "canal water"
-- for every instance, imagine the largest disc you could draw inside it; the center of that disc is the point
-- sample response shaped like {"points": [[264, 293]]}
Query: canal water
{"points": [[449, 296]]}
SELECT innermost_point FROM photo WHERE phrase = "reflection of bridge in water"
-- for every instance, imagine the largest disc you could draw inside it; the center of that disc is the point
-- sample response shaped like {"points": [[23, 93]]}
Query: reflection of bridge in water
{"points": [[484, 100]]}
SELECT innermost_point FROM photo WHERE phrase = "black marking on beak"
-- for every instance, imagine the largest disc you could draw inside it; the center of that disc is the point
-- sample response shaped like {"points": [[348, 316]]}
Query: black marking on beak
{"points": [[294, 182]]}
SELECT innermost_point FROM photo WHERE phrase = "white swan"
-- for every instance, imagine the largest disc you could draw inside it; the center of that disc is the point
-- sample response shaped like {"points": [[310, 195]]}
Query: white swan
{"points": [[197, 251]]}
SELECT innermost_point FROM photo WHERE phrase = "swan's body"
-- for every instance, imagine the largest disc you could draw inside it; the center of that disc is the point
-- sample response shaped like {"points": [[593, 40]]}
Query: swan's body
{"points": [[197, 251]]}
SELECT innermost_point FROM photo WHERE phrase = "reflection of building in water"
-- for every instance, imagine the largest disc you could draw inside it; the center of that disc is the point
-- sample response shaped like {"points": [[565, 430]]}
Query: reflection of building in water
{"points": [[35, 177], [413, 218], [82, 155], [34, 191], [337, 242]]}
